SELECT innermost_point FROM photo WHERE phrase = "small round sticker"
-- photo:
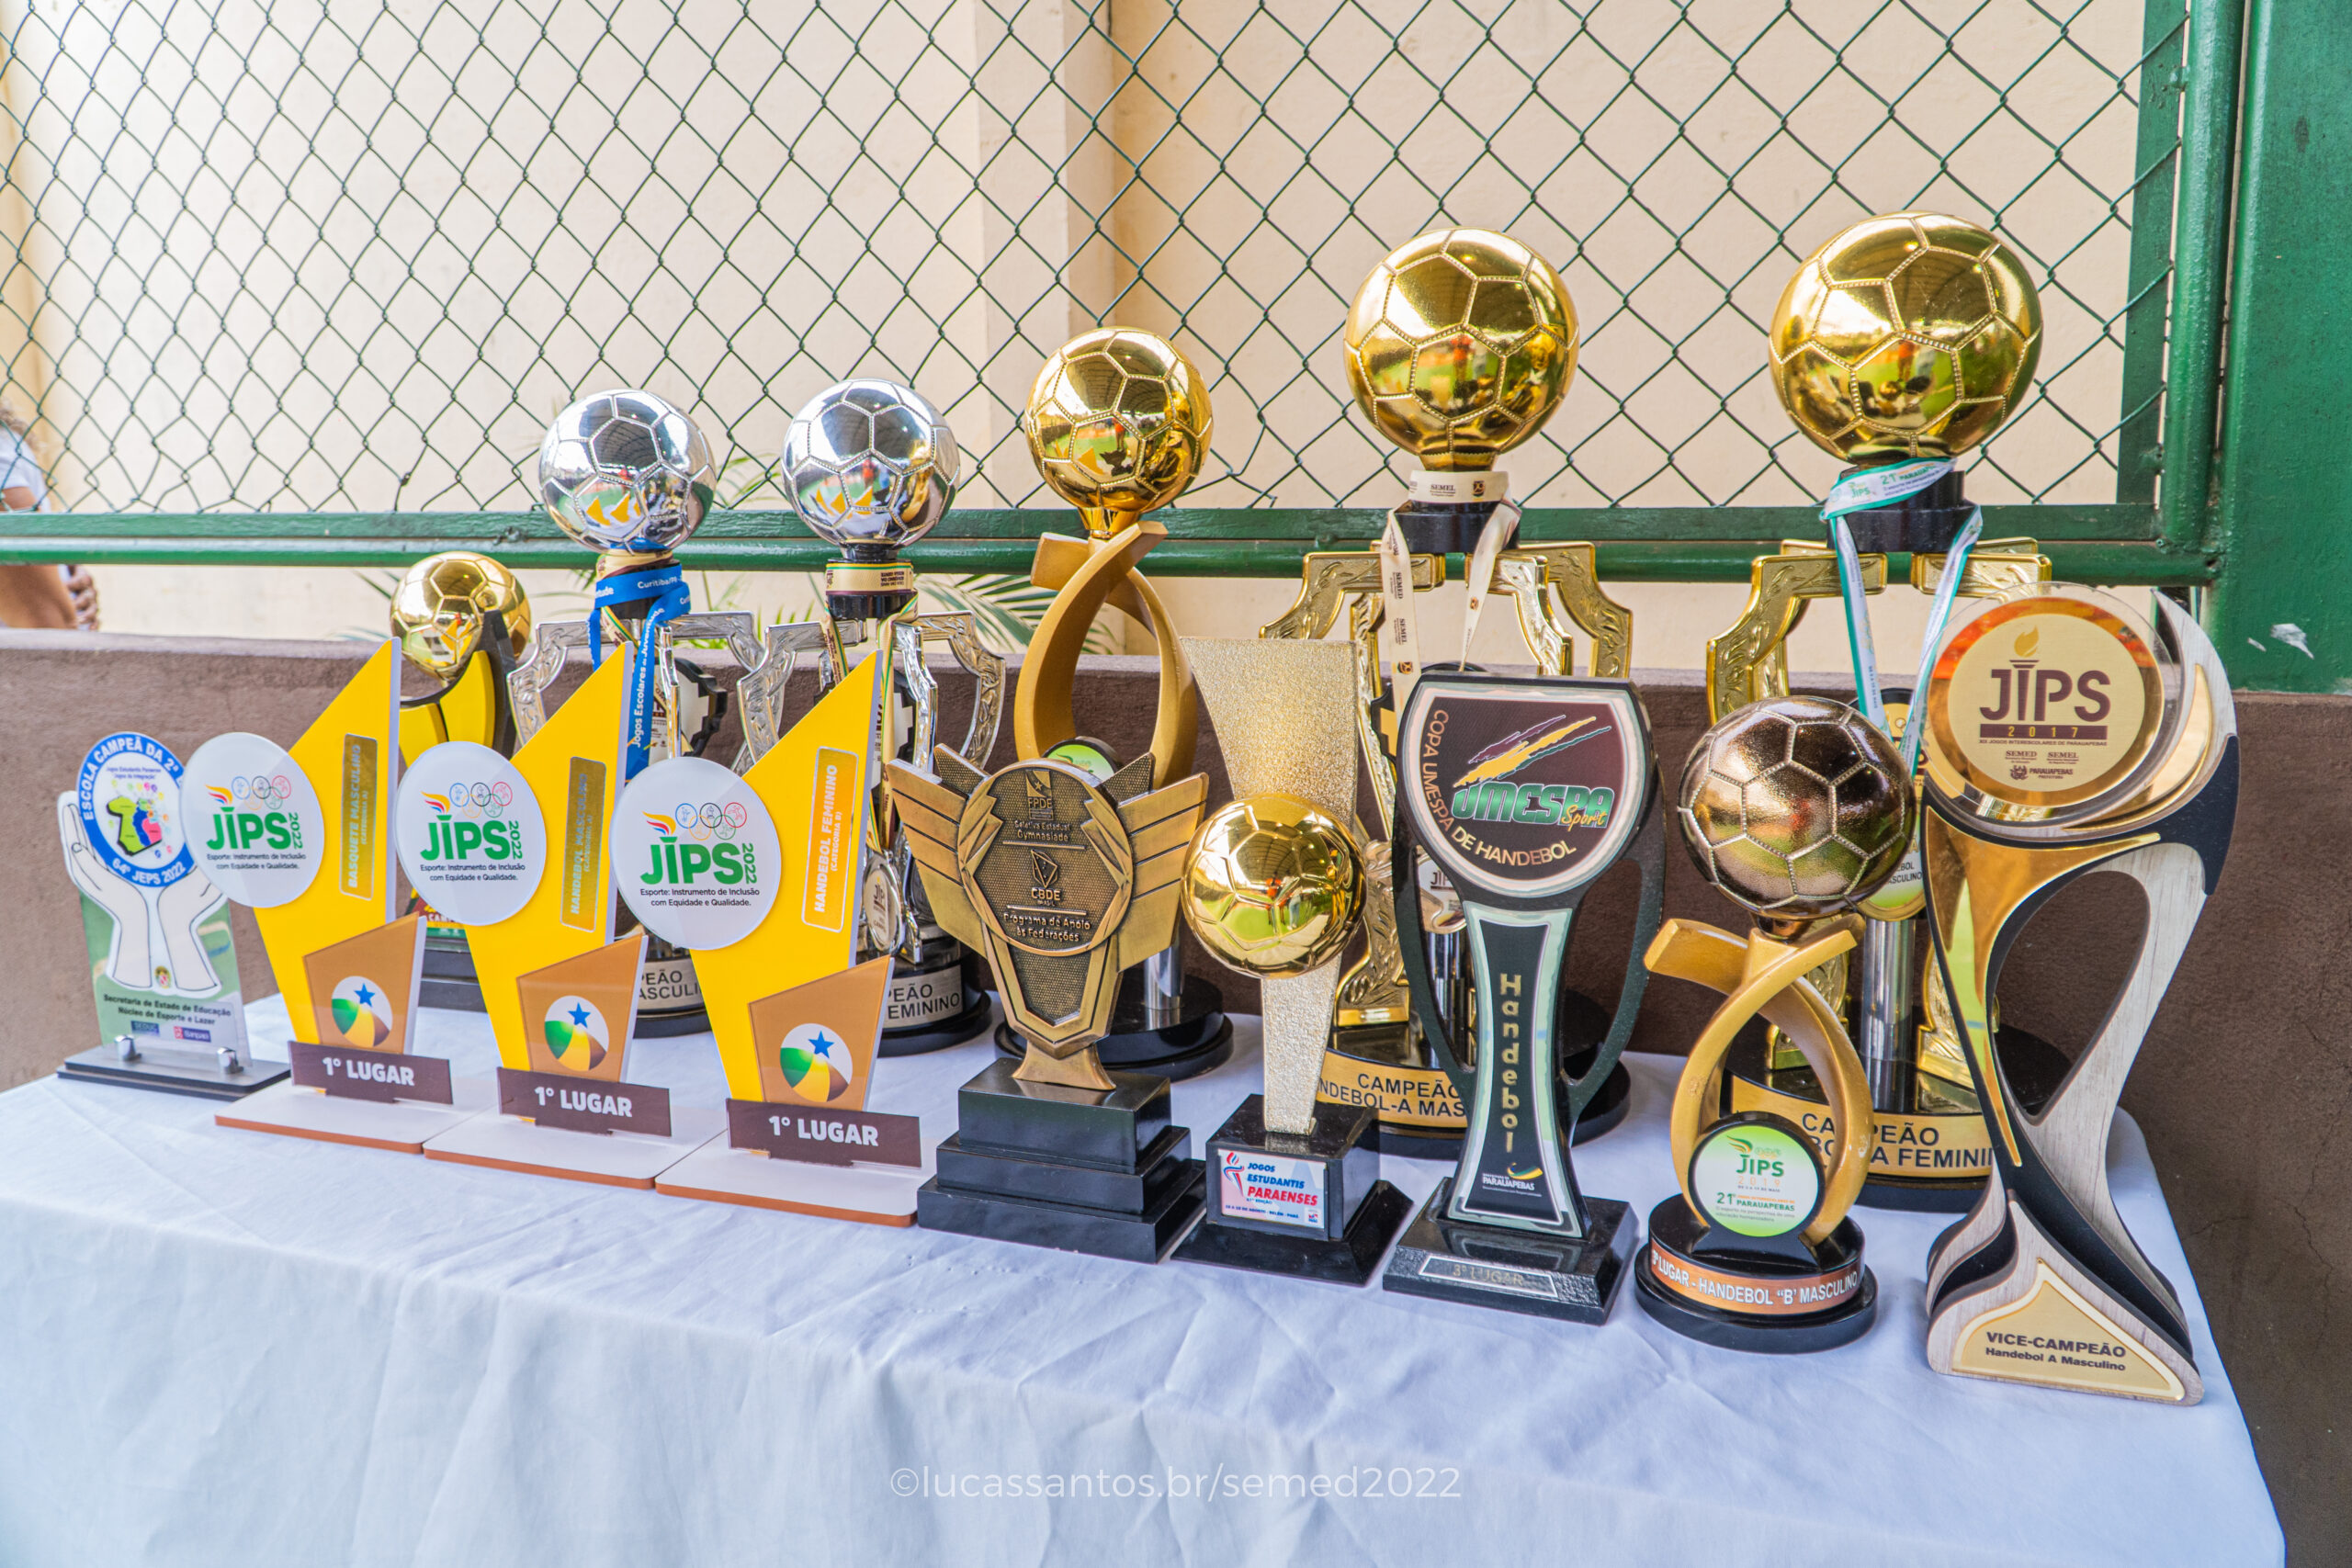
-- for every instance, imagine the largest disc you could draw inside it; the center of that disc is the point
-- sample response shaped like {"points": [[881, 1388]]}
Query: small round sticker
{"points": [[1756, 1175], [362, 1011], [816, 1063], [470, 835], [694, 854], [253, 823], [128, 799]]}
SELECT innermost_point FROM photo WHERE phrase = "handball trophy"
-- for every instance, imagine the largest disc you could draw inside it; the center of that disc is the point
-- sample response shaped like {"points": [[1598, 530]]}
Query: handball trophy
{"points": [[1796, 809], [871, 468], [1460, 345], [1901, 343]]}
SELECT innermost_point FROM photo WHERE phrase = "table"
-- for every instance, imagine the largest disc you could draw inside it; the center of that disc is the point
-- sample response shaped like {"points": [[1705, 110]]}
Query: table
{"points": [[220, 1346]]}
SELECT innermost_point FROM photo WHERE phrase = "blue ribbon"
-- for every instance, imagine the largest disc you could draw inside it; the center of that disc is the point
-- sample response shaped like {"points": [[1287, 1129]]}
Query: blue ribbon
{"points": [[663, 589]]}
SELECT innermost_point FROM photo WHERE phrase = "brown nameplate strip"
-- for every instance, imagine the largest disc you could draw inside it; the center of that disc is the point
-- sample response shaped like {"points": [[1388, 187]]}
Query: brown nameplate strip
{"points": [[584, 1105], [350, 1073], [819, 1136], [1792, 1295]]}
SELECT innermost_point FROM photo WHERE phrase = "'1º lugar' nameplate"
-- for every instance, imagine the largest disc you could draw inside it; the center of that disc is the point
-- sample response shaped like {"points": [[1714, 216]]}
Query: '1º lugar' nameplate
{"points": [[820, 1136], [349, 1073], [584, 1105]]}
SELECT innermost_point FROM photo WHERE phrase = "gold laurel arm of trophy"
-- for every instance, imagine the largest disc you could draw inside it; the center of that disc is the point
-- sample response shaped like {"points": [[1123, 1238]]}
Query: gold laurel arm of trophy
{"points": [[1042, 715], [1764, 976], [1555, 586]]}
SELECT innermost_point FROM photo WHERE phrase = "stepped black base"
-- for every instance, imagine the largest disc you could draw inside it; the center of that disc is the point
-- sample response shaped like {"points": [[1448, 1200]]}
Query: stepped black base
{"points": [[1513, 1270], [167, 1071], [1676, 1230], [1083, 1170], [1202, 1038]]}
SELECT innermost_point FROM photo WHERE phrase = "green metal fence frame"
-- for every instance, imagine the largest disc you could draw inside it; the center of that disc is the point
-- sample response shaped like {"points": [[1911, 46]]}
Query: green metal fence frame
{"points": [[2173, 329]]}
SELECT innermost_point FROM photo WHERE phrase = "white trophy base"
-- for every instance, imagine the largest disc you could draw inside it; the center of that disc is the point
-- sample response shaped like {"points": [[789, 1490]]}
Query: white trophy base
{"points": [[404, 1126], [869, 1194], [608, 1159]]}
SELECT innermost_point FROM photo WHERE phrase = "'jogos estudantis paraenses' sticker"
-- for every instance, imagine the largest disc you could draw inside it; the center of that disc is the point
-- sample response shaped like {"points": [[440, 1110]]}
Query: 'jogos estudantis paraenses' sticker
{"points": [[695, 854], [469, 833], [253, 820]]}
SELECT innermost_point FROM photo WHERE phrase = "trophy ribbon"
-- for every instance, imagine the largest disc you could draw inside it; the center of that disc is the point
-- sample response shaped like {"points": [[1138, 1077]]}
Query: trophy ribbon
{"points": [[1396, 594], [1494, 535], [663, 588]]}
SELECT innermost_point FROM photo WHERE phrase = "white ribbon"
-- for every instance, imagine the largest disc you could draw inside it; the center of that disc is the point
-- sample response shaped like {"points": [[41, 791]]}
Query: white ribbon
{"points": [[1494, 536]]}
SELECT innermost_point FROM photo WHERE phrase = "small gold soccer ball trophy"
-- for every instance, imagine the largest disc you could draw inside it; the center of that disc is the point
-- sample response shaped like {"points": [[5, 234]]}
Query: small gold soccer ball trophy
{"points": [[1459, 345], [1118, 424], [1274, 888], [1795, 808], [1901, 343]]}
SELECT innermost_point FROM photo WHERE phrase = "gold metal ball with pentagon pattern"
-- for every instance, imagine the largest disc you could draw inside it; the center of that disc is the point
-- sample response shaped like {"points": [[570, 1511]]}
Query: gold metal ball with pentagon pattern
{"points": [[1460, 344], [1910, 336], [1273, 885], [1795, 807], [438, 607], [1118, 422]]}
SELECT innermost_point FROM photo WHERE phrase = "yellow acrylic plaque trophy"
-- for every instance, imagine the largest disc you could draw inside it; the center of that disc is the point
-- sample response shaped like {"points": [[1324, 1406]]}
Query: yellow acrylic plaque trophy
{"points": [[560, 991], [1460, 344], [797, 1020], [304, 836]]}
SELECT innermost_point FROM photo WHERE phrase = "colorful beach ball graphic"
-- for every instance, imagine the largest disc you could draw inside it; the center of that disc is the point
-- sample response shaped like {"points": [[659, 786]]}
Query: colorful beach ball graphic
{"points": [[816, 1063], [576, 1035], [363, 1014]]}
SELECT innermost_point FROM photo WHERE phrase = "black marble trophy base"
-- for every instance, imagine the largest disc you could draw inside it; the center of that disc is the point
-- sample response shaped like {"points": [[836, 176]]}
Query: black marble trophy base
{"points": [[448, 980], [1200, 1039], [1677, 1232], [1085, 1170], [1514, 1270], [1335, 1216]]}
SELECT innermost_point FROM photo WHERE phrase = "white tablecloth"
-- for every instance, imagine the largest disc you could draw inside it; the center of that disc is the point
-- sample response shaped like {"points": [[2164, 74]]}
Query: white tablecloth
{"points": [[221, 1347]]}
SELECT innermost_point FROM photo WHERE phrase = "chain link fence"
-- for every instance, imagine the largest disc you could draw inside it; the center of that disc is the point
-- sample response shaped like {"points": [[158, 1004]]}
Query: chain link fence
{"points": [[299, 256]]}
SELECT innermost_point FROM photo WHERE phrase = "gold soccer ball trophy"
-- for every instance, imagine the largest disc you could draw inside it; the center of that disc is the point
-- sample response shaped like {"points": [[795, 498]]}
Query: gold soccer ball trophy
{"points": [[1274, 885], [1460, 345], [442, 603], [1911, 335], [1118, 422]]}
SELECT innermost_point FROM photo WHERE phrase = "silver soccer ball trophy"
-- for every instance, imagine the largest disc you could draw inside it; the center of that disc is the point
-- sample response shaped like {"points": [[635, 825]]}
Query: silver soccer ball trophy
{"points": [[870, 467], [625, 471]]}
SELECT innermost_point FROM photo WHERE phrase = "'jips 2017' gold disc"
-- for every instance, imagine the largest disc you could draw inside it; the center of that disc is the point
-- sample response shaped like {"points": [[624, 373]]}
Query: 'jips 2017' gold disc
{"points": [[2045, 701]]}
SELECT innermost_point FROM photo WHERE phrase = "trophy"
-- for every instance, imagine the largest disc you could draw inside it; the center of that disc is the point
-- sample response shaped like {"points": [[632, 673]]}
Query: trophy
{"points": [[162, 968], [463, 620], [1459, 346], [2066, 736], [631, 477], [1524, 791], [1118, 422], [1274, 888], [871, 468], [1797, 808], [1063, 882], [1901, 343]]}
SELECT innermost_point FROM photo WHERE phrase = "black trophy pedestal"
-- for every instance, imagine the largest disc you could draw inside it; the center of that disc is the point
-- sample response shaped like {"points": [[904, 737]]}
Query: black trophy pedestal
{"points": [[1944, 1131], [1378, 1050], [945, 1019], [1514, 1270], [1202, 1037], [1678, 1241], [1308, 1204], [167, 1071], [1083, 1170]]}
